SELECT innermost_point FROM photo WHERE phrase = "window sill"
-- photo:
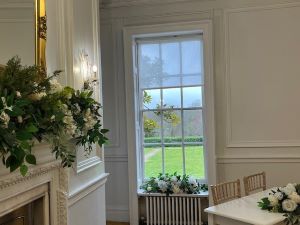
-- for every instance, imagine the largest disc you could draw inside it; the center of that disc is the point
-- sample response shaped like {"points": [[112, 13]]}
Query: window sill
{"points": [[202, 194]]}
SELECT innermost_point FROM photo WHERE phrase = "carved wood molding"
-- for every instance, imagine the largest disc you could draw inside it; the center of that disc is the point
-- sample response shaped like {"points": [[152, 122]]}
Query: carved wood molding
{"points": [[16, 178]]}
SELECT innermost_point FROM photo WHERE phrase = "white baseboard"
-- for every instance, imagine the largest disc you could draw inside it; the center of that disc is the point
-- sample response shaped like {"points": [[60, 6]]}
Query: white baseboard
{"points": [[117, 214]]}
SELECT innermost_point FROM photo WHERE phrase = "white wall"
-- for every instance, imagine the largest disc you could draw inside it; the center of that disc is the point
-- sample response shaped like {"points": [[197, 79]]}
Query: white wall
{"points": [[256, 71], [73, 28]]}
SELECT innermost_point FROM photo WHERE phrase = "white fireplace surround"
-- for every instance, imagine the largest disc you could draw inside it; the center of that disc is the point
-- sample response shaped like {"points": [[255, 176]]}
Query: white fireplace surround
{"points": [[47, 180]]}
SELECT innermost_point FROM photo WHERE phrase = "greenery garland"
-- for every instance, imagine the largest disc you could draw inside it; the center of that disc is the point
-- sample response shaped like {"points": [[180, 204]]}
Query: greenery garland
{"points": [[35, 108]]}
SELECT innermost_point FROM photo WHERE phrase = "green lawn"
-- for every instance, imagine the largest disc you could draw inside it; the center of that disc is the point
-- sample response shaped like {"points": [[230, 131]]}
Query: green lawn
{"points": [[173, 161]]}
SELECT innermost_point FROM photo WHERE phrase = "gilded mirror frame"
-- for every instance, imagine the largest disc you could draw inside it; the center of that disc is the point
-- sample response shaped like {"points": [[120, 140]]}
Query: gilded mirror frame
{"points": [[40, 34]]}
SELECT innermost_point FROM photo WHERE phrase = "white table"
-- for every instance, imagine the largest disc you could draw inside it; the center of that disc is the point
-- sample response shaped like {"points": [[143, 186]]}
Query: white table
{"points": [[243, 211]]}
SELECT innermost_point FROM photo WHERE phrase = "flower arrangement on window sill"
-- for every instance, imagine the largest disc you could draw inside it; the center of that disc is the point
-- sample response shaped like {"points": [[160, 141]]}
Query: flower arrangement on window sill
{"points": [[284, 200], [173, 184], [37, 108]]}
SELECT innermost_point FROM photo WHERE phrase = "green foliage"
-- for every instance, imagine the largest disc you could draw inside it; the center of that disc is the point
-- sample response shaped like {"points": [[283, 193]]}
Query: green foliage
{"points": [[173, 184], [168, 116], [264, 204], [36, 108]]}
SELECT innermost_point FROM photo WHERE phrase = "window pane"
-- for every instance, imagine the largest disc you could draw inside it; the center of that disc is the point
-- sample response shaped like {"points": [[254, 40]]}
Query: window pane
{"points": [[194, 161], [153, 161], [170, 58], [150, 66], [171, 98], [172, 127], [188, 80], [192, 97], [191, 57], [152, 127], [193, 125], [151, 99], [173, 160]]}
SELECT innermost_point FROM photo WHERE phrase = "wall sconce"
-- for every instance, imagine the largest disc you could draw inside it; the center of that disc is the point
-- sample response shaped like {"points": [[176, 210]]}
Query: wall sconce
{"points": [[89, 72]]}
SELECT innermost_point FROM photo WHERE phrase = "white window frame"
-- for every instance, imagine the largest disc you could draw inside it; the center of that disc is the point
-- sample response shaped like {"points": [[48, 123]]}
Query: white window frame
{"points": [[133, 125], [196, 36]]}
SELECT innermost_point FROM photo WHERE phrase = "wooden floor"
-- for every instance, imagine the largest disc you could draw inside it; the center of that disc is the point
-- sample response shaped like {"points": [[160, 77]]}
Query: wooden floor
{"points": [[115, 223]]}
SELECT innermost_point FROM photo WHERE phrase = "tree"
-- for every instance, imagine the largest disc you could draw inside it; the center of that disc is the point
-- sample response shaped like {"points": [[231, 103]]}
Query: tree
{"points": [[168, 116]]}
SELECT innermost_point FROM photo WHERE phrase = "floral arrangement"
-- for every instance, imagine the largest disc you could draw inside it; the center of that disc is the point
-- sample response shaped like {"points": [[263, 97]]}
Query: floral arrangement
{"points": [[284, 200], [35, 108], [173, 184]]}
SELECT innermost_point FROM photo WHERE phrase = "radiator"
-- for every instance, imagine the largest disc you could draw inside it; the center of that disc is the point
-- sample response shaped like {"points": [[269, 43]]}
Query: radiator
{"points": [[173, 210]]}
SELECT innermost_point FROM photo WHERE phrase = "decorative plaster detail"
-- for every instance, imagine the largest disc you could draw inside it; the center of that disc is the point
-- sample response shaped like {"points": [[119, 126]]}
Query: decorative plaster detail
{"points": [[14, 179], [62, 207]]}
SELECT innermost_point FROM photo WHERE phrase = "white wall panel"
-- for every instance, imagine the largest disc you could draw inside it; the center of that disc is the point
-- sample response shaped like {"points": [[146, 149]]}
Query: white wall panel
{"points": [[263, 76]]}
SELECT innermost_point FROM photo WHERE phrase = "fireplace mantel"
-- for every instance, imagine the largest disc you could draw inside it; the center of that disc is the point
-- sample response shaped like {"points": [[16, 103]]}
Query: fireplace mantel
{"points": [[47, 176]]}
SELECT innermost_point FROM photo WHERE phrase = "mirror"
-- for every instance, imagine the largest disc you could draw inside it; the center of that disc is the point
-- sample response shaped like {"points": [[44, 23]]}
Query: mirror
{"points": [[23, 31]]}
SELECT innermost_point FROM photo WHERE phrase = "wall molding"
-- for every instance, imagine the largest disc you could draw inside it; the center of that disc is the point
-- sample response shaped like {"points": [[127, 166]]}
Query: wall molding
{"points": [[128, 3], [230, 143], [86, 189], [87, 164], [247, 159], [117, 213]]}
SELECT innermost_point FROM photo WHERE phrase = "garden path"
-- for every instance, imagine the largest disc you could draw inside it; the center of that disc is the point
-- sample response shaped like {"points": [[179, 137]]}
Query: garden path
{"points": [[151, 154]]}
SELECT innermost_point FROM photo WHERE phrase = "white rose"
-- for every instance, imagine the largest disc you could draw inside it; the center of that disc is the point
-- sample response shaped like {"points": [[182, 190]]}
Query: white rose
{"points": [[149, 188], [289, 189], [174, 179], [162, 185], [20, 119], [156, 180], [5, 118], [193, 181], [176, 189], [273, 200], [295, 197], [289, 205], [55, 86], [18, 94], [37, 96], [279, 195]]}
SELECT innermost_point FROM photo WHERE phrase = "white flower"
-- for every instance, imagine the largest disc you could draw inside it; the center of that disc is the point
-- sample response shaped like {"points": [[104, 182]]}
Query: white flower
{"points": [[295, 197], [162, 185], [156, 180], [4, 118], [37, 96], [20, 119], [55, 86], [5, 104], [69, 96], [70, 125], [176, 189], [289, 189], [89, 120], [289, 205], [18, 94], [273, 200], [174, 179], [149, 188], [279, 195], [193, 182], [52, 118], [78, 110]]}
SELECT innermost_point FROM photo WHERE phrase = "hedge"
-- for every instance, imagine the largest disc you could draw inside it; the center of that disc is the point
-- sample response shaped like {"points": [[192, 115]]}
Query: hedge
{"points": [[171, 140]]}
